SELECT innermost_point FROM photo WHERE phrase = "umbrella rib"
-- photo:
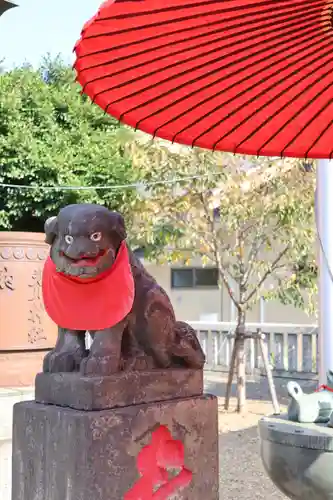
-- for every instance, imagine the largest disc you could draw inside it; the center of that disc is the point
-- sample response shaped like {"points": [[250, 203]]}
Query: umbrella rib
{"points": [[247, 31], [318, 57], [318, 113], [190, 5], [331, 155], [252, 114], [262, 124], [182, 51], [262, 14], [213, 23], [226, 89], [225, 77], [148, 39], [277, 44], [219, 80], [141, 40], [318, 138], [164, 10]]}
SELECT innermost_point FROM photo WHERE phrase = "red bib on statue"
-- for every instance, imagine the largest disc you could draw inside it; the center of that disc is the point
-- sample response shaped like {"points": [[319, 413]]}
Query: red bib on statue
{"points": [[89, 303]]}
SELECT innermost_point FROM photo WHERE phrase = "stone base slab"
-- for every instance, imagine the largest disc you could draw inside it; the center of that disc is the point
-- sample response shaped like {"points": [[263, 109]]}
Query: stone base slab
{"points": [[61, 453], [123, 389]]}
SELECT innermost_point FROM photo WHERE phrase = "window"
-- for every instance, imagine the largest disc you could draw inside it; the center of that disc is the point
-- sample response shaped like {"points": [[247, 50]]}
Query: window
{"points": [[206, 277], [182, 278], [194, 277]]}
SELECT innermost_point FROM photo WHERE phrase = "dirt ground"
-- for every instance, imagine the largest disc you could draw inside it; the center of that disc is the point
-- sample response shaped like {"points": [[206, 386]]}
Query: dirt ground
{"points": [[242, 476]]}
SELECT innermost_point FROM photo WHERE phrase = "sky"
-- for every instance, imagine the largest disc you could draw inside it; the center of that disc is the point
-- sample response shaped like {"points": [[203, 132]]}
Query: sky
{"points": [[37, 27]]}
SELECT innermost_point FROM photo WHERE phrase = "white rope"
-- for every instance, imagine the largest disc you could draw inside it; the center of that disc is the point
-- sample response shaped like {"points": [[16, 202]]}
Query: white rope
{"points": [[109, 187]]}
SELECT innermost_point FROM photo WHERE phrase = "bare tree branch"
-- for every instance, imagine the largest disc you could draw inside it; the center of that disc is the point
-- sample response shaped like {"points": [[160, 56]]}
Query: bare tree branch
{"points": [[269, 271], [253, 254], [222, 272]]}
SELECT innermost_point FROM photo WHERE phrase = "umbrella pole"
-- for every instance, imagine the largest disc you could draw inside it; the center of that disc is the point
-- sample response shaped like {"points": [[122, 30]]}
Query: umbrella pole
{"points": [[325, 234]]}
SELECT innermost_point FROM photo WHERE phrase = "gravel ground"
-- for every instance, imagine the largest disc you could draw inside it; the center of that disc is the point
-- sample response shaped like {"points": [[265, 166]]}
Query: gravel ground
{"points": [[242, 476]]}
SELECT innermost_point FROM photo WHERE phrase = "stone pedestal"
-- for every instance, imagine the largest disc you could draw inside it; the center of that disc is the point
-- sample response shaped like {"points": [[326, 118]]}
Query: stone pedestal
{"points": [[298, 457], [123, 389], [62, 453]]}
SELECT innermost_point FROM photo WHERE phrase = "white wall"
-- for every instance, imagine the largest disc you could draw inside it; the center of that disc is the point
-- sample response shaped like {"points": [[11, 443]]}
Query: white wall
{"points": [[191, 305]]}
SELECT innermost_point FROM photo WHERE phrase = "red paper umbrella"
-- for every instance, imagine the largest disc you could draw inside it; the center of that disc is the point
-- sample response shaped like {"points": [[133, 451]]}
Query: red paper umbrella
{"points": [[246, 76]]}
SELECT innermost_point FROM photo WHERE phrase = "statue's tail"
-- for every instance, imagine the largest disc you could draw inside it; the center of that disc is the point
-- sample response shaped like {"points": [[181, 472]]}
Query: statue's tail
{"points": [[187, 346]]}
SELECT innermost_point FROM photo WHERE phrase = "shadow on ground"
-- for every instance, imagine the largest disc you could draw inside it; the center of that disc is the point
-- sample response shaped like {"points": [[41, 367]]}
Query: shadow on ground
{"points": [[256, 387]]}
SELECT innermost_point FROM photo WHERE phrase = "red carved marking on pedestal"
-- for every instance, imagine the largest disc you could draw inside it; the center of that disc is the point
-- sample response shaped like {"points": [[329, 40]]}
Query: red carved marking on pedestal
{"points": [[153, 463]]}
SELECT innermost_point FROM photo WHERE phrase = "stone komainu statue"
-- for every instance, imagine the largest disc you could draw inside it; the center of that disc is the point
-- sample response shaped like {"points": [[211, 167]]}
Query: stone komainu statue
{"points": [[93, 282]]}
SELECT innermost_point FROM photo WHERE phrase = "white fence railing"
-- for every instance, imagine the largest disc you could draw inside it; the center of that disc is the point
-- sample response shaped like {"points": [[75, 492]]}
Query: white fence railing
{"points": [[292, 348]]}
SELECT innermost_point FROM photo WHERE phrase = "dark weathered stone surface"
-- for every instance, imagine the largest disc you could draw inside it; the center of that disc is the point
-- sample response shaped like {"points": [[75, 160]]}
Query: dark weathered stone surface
{"points": [[122, 389], [298, 457], [62, 454]]}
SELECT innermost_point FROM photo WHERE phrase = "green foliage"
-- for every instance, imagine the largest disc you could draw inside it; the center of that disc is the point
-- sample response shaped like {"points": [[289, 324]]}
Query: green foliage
{"points": [[252, 218], [51, 135]]}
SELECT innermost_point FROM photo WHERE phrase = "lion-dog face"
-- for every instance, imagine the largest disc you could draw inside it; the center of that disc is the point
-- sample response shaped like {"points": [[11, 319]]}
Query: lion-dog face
{"points": [[84, 239]]}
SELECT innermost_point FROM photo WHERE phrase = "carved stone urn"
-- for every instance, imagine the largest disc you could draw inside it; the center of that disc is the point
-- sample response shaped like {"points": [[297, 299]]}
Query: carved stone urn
{"points": [[297, 448], [298, 457], [26, 332]]}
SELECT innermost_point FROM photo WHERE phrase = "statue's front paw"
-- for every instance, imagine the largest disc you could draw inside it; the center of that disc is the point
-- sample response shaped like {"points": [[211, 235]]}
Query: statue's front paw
{"points": [[63, 361], [100, 365]]}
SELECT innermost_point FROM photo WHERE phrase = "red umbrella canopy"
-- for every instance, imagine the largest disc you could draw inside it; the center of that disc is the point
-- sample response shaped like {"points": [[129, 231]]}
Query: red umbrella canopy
{"points": [[245, 76]]}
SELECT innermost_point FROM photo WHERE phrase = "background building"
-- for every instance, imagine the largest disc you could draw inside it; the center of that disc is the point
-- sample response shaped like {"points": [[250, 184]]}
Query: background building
{"points": [[196, 296]]}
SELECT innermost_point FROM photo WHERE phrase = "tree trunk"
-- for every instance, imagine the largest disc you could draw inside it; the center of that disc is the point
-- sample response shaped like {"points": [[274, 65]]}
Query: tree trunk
{"points": [[230, 375], [241, 363]]}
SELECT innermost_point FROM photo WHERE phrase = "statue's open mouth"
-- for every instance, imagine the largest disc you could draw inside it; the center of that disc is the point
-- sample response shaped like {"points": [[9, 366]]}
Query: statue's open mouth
{"points": [[84, 261]]}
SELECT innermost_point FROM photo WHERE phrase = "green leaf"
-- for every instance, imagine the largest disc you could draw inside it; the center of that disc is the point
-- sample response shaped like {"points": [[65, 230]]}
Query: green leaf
{"points": [[238, 218], [51, 135]]}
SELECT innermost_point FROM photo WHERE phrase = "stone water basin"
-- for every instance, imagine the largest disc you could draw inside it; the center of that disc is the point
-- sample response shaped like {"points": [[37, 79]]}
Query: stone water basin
{"points": [[298, 457]]}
